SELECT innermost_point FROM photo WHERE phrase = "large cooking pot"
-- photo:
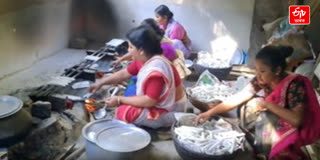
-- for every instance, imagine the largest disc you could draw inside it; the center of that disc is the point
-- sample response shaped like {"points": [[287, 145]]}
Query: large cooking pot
{"points": [[113, 140], [15, 122]]}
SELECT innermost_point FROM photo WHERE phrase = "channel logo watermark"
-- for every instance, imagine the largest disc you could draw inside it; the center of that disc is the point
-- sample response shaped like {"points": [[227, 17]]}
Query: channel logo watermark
{"points": [[299, 15]]}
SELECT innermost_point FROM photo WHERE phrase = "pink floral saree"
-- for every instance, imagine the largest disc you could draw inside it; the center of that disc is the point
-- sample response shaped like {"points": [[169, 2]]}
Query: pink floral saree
{"points": [[287, 140]]}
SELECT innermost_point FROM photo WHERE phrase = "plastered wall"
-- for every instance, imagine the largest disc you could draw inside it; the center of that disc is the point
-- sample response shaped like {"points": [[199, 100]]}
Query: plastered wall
{"points": [[31, 30], [204, 20]]}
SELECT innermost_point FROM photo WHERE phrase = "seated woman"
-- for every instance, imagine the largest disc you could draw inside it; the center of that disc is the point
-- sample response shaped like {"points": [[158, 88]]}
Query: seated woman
{"points": [[159, 88], [165, 43], [173, 30], [287, 116], [175, 56]]}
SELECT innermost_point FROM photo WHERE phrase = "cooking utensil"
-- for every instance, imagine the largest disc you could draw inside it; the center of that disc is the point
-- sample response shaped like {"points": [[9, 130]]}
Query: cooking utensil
{"points": [[114, 69], [113, 139], [9, 105], [189, 154], [188, 63], [113, 91], [101, 113], [90, 130], [82, 84], [116, 139], [97, 104], [11, 114], [87, 95]]}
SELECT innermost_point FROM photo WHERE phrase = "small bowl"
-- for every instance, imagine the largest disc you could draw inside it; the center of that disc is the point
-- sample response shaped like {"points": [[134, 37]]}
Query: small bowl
{"points": [[188, 63]]}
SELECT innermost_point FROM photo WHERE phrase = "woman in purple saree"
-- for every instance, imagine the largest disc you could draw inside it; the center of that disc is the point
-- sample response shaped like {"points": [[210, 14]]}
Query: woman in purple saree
{"points": [[173, 30], [287, 115]]}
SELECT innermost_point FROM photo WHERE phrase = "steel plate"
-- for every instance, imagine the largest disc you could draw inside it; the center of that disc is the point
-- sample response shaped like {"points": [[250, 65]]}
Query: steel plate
{"points": [[91, 129], [123, 139], [9, 105]]}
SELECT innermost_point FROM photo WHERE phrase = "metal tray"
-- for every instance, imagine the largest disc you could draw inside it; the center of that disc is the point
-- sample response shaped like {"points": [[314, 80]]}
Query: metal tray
{"points": [[123, 139], [91, 129]]}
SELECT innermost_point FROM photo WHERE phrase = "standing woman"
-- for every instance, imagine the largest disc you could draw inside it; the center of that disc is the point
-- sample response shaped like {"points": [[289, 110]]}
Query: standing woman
{"points": [[173, 30], [159, 92]]}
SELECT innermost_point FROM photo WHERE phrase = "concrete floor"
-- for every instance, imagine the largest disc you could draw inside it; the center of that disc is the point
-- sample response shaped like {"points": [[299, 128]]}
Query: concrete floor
{"points": [[42, 72]]}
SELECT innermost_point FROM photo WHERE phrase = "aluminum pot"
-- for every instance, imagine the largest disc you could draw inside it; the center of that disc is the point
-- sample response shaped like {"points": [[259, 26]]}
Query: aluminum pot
{"points": [[14, 124], [94, 150]]}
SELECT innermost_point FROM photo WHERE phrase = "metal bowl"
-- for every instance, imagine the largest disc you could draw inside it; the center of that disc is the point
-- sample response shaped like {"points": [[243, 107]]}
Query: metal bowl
{"points": [[202, 106], [220, 73], [188, 154]]}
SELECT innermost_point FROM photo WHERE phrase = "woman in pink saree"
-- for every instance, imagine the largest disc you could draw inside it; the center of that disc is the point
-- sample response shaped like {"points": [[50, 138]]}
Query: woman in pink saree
{"points": [[286, 117], [173, 30]]}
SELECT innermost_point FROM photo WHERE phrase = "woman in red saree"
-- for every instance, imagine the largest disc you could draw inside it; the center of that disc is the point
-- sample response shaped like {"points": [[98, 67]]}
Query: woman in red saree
{"points": [[288, 117], [159, 92]]}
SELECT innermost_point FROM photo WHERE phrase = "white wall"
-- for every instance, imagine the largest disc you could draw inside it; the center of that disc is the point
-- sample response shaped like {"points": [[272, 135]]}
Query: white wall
{"points": [[204, 20], [31, 30]]}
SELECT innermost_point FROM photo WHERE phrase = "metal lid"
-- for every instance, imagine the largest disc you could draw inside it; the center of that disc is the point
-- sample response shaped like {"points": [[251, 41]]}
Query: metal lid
{"points": [[123, 139], [90, 130], [9, 105]]}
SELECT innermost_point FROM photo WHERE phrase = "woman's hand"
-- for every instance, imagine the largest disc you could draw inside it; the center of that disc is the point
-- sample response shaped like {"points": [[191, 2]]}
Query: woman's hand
{"points": [[262, 106], [127, 56], [112, 101], [116, 62], [201, 118], [94, 87], [257, 104]]}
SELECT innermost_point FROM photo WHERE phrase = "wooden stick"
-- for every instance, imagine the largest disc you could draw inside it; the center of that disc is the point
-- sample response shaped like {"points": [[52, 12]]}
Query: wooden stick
{"points": [[76, 153], [65, 154]]}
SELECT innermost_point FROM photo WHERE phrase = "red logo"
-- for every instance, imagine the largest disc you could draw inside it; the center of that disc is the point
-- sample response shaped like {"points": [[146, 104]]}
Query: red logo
{"points": [[299, 15]]}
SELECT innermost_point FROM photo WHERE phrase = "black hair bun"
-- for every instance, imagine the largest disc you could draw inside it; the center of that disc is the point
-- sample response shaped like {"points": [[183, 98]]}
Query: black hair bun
{"points": [[164, 10], [170, 15], [286, 51]]}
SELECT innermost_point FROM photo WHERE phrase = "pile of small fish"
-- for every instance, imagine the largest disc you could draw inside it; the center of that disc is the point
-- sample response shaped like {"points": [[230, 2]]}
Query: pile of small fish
{"points": [[209, 93], [209, 60], [211, 138], [216, 90]]}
